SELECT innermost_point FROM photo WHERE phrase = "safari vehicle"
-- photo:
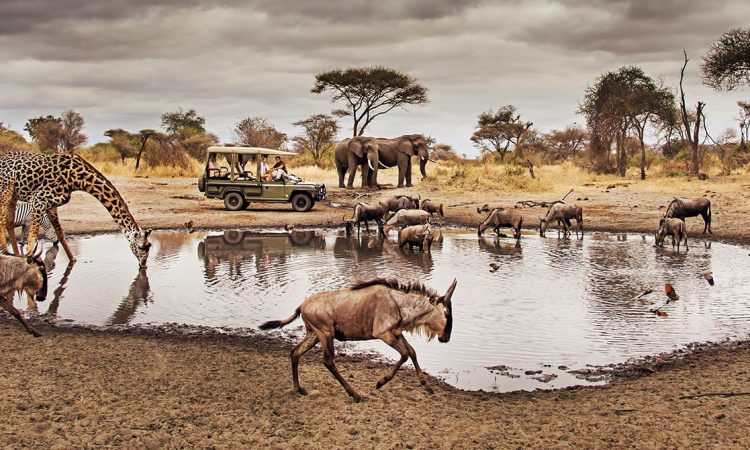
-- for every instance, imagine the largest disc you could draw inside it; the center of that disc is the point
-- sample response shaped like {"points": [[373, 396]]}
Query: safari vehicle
{"points": [[228, 177]]}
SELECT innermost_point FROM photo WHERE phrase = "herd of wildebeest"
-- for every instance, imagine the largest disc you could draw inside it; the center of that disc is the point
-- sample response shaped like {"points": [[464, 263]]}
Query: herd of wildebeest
{"points": [[378, 308]]}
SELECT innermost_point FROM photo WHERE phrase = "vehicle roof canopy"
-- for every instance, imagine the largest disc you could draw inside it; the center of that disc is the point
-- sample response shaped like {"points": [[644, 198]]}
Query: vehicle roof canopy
{"points": [[220, 149]]}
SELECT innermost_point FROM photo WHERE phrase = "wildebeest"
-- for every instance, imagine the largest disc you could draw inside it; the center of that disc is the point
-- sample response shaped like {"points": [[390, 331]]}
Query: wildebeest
{"points": [[562, 214], [432, 207], [364, 212], [672, 227], [501, 218], [406, 217], [375, 309], [680, 208], [416, 235], [25, 274], [399, 202]]}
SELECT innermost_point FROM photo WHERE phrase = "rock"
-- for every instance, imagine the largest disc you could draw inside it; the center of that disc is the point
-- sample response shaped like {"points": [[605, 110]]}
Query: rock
{"points": [[546, 378], [532, 372], [702, 176], [562, 367]]}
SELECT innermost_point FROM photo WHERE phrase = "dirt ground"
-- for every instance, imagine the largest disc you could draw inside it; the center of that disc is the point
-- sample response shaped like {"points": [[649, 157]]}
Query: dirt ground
{"points": [[76, 388]]}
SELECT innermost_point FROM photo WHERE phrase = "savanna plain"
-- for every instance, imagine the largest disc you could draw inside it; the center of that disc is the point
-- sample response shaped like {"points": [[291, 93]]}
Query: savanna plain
{"points": [[162, 388]]}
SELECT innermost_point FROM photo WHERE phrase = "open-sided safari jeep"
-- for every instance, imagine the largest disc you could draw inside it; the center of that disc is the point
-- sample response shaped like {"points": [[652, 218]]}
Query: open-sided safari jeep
{"points": [[233, 175]]}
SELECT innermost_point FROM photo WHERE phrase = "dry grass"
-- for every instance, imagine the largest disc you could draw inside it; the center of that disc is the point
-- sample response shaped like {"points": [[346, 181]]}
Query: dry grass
{"points": [[127, 169]]}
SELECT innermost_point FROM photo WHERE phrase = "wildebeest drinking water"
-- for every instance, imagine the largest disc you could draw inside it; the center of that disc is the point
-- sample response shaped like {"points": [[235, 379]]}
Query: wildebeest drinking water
{"points": [[563, 214], [680, 208], [375, 309], [364, 212], [672, 227]]}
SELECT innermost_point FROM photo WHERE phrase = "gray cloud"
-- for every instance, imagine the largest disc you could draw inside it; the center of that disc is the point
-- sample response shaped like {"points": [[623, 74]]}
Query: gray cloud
{"points": [[123, 63]]}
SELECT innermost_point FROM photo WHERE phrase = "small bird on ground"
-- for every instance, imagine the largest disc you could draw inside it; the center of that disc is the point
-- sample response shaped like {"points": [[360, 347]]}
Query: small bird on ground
{"points": [[709, 276], [189, 226], [494, 267], [673, 297]]}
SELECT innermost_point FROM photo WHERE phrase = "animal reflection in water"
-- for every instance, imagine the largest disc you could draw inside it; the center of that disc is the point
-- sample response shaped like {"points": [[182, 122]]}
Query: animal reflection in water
{"points": [[375, 309], [233, 248], [372, 249]]}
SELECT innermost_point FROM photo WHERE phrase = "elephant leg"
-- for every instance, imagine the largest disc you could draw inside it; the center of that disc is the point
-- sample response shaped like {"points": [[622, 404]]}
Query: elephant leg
{"points": [[352, 172], [341, 171], [408, 173], [401, 172]]}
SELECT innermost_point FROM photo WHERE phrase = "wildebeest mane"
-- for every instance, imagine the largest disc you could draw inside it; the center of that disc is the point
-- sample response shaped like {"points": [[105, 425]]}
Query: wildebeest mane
{"points": [[405, 287]]}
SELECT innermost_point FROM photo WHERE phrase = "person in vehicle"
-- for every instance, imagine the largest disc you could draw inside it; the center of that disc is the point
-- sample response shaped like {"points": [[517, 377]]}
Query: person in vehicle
{"points": [[280, 164], [263, 167]]}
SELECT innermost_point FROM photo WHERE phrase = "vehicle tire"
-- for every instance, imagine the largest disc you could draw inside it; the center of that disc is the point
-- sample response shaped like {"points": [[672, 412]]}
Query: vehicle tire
{"points": [[233, 237], [234, 201], [302, 202], [202, 183]]}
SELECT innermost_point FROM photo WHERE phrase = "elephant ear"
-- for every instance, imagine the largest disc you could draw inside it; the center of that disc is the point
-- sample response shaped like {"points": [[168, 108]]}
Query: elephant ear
{"points": [[355, 146], [406, 146]]}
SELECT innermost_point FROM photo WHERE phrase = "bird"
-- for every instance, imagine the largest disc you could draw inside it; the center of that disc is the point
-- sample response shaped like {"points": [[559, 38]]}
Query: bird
{"points": [[709, 276], [288, 227], [189, 226], [658, 312], [671, 293], [494, 267]]}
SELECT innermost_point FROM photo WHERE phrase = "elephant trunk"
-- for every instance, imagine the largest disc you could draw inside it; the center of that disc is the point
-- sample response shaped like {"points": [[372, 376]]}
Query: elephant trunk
{"points": [[422, 164]]}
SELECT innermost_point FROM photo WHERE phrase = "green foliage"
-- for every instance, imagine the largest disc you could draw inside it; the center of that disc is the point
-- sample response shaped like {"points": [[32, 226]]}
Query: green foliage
{"points": [[57, 133], [180, 122], [318, 135], [727, 64], [499, 131], [369, 92]]}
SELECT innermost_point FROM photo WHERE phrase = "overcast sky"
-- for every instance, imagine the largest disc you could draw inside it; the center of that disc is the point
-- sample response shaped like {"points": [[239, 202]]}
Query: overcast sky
{"points": [[122, 63]]}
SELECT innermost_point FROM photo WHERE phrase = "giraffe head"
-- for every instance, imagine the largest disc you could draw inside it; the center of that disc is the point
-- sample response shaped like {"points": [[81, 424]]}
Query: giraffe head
{"points": [[140, 245]]}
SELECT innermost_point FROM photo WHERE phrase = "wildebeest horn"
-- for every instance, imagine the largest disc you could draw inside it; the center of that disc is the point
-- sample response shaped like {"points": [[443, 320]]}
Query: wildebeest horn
{"points": [[449, 292]]}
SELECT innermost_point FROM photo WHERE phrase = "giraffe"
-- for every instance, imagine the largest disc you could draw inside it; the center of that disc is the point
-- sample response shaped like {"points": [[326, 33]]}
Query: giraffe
{"points": [[46, 182]]}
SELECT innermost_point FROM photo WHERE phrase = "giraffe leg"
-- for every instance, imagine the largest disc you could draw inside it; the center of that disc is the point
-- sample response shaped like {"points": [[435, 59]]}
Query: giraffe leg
{"points": [[11, 224], [55, 221], [6, 195]]}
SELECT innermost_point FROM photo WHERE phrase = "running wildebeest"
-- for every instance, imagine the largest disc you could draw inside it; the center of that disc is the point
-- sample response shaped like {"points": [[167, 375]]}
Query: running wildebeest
{"points": [[375, 309], [680, 208], [364, 212], [501, 218], [25, 274], [416, 235], [406, 217], [563, 214], [672, 227]]}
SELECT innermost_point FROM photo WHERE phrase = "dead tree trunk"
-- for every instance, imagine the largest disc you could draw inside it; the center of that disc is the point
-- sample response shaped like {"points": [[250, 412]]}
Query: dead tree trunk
{"points": [[691, 135]]}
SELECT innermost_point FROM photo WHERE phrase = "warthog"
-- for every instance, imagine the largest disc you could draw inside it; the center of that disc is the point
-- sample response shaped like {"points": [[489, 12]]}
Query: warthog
{"points": [[432, 207], [24, 274], [672, 227], [501, 218], [680, 208], [416, 235], [364, 212], [406, 217], [375, 309], [399, 202], [562, 213]]}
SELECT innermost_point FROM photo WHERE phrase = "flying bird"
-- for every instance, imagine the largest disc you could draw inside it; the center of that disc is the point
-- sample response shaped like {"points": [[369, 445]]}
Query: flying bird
{"points": [[673, 297], [658, 312], [709, 276], [494, 267], [189, 226]]}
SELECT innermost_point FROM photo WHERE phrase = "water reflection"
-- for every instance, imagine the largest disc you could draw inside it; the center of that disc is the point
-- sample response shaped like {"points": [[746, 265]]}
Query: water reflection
{"points": [[139, 293], [510, 251]]}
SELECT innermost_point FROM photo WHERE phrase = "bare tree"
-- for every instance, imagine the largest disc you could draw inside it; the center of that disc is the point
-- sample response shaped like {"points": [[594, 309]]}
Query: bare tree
{"points": [[369, 92], [744, 122], [72, 131], [692, 134], [318, 135]]}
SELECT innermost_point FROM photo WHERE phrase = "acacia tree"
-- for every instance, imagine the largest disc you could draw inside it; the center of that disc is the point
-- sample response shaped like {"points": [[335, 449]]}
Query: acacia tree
{"points": [[258, 132], [727, 64], [178, 122], [318, 135], [499, 131], [369, 92], [125, 143], [564, 144]]}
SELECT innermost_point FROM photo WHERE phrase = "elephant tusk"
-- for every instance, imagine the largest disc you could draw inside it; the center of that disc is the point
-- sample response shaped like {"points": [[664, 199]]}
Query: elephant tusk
{"points": [[424, 158], [383, 165], [369, 163]]}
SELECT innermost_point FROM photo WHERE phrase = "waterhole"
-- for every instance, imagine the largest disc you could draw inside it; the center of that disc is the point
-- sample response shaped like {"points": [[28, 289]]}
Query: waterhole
{"points": [[551, 306]]}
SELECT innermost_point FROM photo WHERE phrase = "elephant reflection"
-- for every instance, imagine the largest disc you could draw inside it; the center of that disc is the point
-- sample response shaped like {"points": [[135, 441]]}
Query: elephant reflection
{"points": [[234, 248]]}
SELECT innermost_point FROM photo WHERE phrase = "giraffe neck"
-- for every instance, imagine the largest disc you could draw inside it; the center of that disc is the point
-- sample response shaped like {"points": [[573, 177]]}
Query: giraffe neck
{"points": [[86, 178]]}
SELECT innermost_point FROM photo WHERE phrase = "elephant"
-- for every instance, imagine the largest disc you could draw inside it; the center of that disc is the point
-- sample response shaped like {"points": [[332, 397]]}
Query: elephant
{"points": [[350, 153], [387, 153]]}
